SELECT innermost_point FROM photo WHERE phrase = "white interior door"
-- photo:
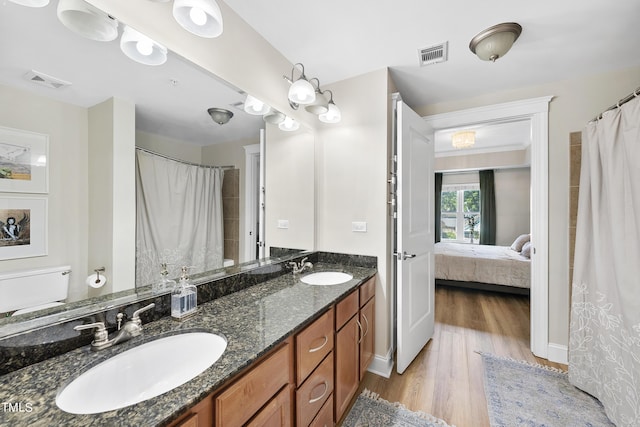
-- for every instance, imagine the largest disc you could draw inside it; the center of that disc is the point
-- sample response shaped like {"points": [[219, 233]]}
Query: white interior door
{"points": [[261, 198], [415, 239]]}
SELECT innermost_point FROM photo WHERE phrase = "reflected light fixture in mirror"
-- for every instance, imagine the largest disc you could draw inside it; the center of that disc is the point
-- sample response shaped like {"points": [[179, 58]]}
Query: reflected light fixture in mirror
{"points": [[141, 48], [87, 20], [333, 114], [220, 115], [31, 3], [289, 125], [274, 117], [255, 107], [301, 91], [200, 17], [463, 139]]}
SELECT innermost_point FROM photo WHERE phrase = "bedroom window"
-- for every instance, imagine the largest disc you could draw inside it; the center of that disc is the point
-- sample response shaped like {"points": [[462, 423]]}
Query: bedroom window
{"points": [[460, 214]]}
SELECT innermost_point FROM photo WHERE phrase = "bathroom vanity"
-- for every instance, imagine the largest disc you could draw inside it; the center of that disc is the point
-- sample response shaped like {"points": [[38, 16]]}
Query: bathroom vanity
{"points": [[295, 355]]}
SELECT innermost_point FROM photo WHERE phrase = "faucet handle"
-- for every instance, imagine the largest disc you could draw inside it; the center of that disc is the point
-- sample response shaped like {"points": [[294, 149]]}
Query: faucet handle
{"points": [[101, 335], [136, 314]]}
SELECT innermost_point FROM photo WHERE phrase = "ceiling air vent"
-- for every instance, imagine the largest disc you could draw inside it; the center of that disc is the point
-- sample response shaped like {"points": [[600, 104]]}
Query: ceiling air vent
{"points": [[433, 54], [45, 80]]}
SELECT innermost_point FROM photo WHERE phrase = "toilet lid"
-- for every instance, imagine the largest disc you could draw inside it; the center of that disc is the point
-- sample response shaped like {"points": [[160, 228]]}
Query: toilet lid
{"points": [[37, 307]]}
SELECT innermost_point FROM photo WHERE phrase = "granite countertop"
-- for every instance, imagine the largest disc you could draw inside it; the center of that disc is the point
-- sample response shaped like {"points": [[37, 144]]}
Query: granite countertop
{"points": [[253, 321]]}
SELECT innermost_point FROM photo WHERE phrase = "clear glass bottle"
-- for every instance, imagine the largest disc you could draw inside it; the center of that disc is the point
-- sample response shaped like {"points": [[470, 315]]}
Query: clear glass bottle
{"points": [[184, 297], [165, 284]]}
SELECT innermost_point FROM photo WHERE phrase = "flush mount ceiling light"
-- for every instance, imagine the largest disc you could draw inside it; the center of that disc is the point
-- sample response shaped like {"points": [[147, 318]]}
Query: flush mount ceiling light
{"points": [[200, 17], [333, 114], [301, 91], [141, 48], [289, 125], [254, 106], [220, 115], [495, 42], [87, 20], [463, 139], [31, 3]]}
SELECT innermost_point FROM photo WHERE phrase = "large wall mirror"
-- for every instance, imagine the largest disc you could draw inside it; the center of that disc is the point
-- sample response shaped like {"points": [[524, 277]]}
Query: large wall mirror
{"points": [[53, 82]]}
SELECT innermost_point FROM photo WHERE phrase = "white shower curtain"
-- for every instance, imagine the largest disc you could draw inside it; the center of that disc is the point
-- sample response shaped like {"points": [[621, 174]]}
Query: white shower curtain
{"points": [[178, 217], [604, 342]]}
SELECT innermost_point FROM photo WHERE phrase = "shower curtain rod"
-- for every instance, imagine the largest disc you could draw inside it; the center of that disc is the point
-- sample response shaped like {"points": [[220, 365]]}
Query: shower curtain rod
{"points": [[622, 101], [183, 161]]}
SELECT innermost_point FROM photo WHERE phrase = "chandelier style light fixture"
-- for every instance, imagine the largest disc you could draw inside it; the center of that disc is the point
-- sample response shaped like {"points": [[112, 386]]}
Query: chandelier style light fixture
{"points": [[495, 42], [463, 139]]}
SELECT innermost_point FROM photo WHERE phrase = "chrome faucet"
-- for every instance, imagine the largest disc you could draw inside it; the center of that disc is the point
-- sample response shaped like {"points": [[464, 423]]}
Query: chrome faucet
{"points": [[131, 329], [300, 267]]}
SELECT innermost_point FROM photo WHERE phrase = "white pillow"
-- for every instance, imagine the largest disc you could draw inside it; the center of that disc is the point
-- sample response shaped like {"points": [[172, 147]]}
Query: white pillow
{"points": [[526, 250], [520, 241]]}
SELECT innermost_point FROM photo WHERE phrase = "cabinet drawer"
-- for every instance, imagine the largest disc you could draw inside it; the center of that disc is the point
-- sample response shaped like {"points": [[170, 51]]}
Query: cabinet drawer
{"points": [[314, 392], [237, 404], [313, 344], [367, 290], [325, 416], [276, 413], [346, 309]]}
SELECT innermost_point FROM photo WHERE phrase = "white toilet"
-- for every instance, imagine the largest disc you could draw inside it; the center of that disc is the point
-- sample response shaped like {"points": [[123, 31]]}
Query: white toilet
{"points": [[31, 290]]}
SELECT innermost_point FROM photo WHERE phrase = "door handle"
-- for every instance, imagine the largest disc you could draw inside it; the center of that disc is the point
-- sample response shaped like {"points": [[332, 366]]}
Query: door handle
{"points": [[404, 255]]}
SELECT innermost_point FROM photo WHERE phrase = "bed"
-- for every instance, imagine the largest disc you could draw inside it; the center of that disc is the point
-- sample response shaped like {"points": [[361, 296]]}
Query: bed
{"points": [[488, 267]]}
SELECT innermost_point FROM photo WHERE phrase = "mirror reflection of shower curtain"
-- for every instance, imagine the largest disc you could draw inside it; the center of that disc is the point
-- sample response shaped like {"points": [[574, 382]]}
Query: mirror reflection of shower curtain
{"points": [[179, 217], [604, 341]]}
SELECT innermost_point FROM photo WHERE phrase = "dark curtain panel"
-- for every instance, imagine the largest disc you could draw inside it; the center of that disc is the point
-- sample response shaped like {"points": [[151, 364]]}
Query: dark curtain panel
{"points": [[437, 205], [487, 209]]}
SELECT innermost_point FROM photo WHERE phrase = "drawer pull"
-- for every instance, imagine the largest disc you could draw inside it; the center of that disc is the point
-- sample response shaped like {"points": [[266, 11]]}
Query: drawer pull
{"points": [[313, 350], [315, 399], [361, 332]]}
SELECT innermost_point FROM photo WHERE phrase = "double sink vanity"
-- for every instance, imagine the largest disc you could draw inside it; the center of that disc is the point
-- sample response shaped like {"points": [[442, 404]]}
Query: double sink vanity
{"points": [[277, 352]]}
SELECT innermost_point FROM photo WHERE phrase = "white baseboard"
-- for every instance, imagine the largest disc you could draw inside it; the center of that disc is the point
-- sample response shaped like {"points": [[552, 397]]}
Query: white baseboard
{"points": [[382, 365], [558, 353]]}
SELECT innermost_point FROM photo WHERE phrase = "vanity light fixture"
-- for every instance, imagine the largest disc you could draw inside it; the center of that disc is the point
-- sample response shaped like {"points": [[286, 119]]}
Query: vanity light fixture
{"points": [[301, 91], [31, 3], [141, 48], [495, 42], [289, 125], [220, 115], [333, 114], [274, 117], [463, 139], [87, 20], [200, 17], [320, 105], [254, 106]]}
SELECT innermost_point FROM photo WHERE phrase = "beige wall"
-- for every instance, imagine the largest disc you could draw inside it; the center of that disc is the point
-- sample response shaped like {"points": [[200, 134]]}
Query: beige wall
{"points": [[575, 103], [171, 147], [67, 128], [352, 182]]}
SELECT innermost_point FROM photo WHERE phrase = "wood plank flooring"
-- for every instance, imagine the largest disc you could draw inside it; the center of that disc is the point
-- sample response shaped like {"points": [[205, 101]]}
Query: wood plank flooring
{"points": [[446, 380]]}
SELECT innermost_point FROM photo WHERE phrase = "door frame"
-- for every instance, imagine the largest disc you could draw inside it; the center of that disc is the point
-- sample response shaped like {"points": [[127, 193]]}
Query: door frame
{"points": [[251, 197], [537, 111]]}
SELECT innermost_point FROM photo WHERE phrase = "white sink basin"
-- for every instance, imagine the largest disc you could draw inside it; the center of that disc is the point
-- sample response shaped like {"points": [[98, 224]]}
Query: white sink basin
{"points": [[141, 373], [326, 278]]}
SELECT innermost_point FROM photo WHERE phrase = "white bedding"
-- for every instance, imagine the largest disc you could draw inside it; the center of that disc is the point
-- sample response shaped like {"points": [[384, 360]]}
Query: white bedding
{"points": [[498, 265]]}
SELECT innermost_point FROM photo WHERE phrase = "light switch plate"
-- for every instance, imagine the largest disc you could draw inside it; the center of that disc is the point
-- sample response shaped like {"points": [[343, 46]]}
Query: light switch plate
{"points": [[283, 223], [359, 226]]}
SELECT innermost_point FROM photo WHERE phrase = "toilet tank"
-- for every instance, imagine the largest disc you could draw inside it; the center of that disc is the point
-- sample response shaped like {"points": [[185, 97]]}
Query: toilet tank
{"points": [[28, 288]]}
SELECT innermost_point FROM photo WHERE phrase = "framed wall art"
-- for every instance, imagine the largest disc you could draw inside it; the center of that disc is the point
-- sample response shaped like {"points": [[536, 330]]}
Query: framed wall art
{"points": [[24, 159], [23, 227]]}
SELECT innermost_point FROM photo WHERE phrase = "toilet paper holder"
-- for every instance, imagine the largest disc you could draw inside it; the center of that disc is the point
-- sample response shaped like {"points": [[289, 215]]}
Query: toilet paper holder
{"points": [[98, 271]]}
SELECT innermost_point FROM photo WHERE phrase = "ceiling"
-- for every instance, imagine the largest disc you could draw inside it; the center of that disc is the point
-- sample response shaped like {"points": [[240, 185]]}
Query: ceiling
{"points": [[335, 40]]}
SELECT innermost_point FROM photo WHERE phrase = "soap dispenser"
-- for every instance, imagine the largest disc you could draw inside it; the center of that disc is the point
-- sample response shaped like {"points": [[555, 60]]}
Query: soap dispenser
{"points": [[184, 297], [165, 284]]}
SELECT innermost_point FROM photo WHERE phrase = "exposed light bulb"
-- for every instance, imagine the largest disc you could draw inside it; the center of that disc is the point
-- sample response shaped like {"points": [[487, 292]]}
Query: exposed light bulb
{"points": [[198, 16], [145, 47]]}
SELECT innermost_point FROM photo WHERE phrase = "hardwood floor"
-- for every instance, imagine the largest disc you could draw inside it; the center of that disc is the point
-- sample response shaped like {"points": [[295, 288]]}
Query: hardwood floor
{"points": [[446, 379]]}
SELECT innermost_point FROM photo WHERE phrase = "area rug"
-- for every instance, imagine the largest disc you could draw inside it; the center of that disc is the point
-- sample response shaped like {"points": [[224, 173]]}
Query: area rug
{"points": [[524, 394], [370, 410]]}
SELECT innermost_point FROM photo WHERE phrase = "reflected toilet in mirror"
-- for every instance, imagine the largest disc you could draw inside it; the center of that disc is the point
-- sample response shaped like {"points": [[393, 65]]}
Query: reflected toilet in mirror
{"points": [[26, 291]]}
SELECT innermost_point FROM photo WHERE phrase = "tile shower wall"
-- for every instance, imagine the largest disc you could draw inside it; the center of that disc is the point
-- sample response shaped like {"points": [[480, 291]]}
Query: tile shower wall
{"points": [[575, 155], [231, 213]]}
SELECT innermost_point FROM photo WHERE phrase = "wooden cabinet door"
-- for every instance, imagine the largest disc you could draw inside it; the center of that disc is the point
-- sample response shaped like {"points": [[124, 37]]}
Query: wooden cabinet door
{"points": [[347, 366], [276, 413], [367, 341], [201, 415]]}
